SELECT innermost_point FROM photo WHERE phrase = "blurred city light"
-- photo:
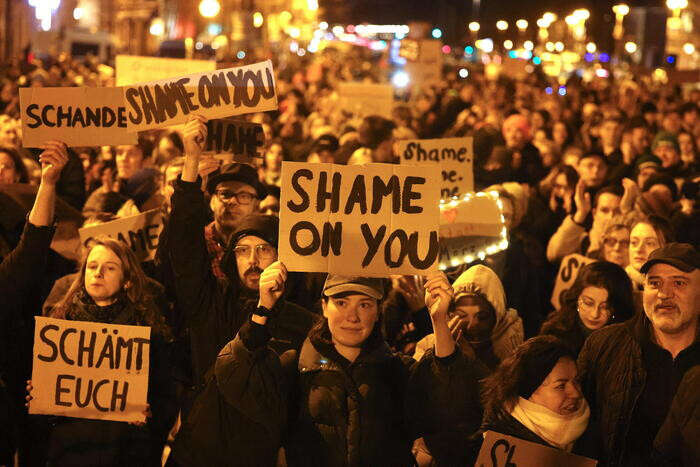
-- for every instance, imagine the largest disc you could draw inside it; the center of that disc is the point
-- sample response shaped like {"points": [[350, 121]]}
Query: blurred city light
{"points": [[528, 45], [621, 9], [78, 13], [157, 27], [400, 79], [688, 48], [463, 73], [558, 46], [209, 8], [469, 50], [507, 44], [485, 45], [521, 24], [257, 19], [474, 26], [502, 25], [323, 25], [240, 55], [436, 33], [630, 47], [591, 47]]}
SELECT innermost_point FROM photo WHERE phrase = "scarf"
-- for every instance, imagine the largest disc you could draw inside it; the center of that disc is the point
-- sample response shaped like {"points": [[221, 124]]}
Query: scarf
{"points": [[558, 430]]}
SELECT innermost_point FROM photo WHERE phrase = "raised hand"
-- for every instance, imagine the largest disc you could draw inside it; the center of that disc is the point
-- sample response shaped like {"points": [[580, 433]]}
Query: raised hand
{"points": [[53, 159], [194, 135], [438, 294], [406, 286], [272, 283], [629, 196], [583, 202]]}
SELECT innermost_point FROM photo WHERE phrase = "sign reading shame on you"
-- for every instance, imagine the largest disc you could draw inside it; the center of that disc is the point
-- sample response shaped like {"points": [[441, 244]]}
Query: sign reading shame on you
{"points": [[90, 370], [77, 116], [371, 220], [454, 156], [213, 94]]}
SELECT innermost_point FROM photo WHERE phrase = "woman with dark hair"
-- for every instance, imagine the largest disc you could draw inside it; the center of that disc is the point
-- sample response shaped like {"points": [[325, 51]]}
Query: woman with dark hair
{"points": [[534, 395], [601, 295], [12, 169], [111, 288]]}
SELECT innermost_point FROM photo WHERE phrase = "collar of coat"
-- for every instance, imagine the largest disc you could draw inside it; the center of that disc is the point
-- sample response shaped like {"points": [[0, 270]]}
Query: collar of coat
{"points": [[319, 353]]}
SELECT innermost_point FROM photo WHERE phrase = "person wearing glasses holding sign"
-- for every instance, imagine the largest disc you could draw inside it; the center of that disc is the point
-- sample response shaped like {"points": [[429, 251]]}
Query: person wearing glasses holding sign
{"points": [[215, 308]]}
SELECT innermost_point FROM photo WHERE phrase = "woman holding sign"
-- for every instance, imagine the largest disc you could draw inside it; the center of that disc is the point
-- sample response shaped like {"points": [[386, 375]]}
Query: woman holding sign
{"points": [[341, 400], [110, 288], [535, 395]]}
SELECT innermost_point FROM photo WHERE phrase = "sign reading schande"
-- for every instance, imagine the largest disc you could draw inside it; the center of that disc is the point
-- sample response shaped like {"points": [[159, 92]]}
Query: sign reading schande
{"points": [[214, 94], [454, 157], [372, 220], [90, 370]]}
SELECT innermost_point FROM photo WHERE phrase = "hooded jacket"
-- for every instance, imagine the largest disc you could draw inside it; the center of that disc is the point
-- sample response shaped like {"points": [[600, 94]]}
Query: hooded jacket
{"points": [[508, 331]]}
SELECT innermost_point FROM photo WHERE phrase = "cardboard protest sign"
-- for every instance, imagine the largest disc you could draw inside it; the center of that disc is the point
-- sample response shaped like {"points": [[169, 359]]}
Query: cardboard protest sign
{"points": [[470, 228], [568, 271], [500, 450], [214, 94], [90, 370], [235, 136], [428, 65], [76, 116], [367, 220], [140, 232], [132, 69], [362, 99], [454, 156]]}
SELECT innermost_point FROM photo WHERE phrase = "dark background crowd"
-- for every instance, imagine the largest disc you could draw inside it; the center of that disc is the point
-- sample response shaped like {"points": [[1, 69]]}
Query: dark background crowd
{"points": [[609, 171]]}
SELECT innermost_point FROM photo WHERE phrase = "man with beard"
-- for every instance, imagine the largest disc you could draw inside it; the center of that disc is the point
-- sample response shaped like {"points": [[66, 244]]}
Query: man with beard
{"points": [[631, 371], [215, 308]]}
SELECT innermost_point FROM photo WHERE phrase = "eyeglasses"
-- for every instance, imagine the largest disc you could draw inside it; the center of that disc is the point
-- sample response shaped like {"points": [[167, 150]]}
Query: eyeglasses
{"points": [[611, 242], [262, 251], [588, 305], [242, 197]]}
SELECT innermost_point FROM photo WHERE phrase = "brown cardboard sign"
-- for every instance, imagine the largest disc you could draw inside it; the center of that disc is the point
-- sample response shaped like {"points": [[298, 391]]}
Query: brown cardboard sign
{"points": [[507, 451], [568, 271]]}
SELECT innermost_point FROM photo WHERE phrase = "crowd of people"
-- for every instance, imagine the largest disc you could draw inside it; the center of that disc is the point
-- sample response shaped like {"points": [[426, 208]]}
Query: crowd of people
{"points": [[254, 365]]}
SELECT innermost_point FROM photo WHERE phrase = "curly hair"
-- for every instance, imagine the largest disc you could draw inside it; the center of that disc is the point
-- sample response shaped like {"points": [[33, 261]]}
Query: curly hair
{"points": [[137, 297], [501, 389]]}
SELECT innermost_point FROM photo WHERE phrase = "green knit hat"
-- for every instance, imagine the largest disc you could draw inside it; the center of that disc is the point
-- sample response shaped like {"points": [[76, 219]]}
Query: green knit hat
{"points": [[665, 137]]}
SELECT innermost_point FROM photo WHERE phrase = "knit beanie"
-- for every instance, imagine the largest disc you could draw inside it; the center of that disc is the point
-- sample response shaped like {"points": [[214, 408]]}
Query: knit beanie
{"points": [[665, 137]]}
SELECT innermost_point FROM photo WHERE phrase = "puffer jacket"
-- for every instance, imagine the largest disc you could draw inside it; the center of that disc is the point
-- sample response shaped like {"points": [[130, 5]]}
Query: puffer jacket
{"points": [[612, 375], [508, 331], [341, 413]]}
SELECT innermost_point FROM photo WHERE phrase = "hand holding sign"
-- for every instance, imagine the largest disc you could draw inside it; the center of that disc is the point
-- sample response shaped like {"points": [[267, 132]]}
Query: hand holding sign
{"points": [[194, 135], [53, 159], [272, 281], [438, 294]]}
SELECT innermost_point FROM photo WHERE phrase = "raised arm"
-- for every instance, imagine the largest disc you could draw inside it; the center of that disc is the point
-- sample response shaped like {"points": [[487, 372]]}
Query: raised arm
{"points": [[438, 298]]}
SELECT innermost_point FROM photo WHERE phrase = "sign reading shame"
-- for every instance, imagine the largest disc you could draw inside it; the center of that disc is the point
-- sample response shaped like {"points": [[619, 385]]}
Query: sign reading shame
{"points": [[499, 450], [140, 232], [132, 69], [568, 272], [214, 94], [77, 116], [371, 220], [454, 156], [90, 370], [234, 136]]}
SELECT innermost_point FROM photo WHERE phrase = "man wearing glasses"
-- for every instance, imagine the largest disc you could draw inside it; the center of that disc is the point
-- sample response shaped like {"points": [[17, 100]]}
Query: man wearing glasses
{"points": [[631, 371], [214, 308]]}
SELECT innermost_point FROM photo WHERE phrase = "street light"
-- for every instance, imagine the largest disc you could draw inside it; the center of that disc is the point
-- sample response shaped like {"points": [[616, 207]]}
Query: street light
{"points": [[528, 45], [591, 47], [257, 19], [502, 25], [559, 46], [521, 24], [209, 8], [474, 26], [688, 48], [507, 44], [549, 17], [630, 47], [621, 9]]}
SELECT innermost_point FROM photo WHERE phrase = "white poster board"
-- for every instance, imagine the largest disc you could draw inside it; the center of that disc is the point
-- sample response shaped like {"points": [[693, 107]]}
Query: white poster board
{"points": [[77, 116], [90, 370], [214, 94], [132, 69], [363, 99], [568, 271], [454, 157], [365, 220], [140, 232]]}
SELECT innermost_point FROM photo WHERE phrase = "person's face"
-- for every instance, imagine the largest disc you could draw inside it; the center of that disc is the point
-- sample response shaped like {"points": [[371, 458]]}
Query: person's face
{"points": [[273, 157], [507, 211], [561, 188], [167, 149], [593, 307], [8, 172], [671, 298], [106, 153], [643, 240], [8, 136], [560, 391], [474, 317], [228, 213], [668, 155], [685, 141], [645, 174], [326, 156], [616, 247], [608, 132], [253, 255], [592, 171], [104, 275], [129, 160], [351, 318], [640, 139], [607, 207], [559, 133], [515, 139], [672, 122]]}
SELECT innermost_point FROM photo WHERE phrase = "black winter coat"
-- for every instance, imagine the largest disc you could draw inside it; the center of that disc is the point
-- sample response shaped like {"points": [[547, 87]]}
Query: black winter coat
{"points": [[328, 411], [215, 309]]}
